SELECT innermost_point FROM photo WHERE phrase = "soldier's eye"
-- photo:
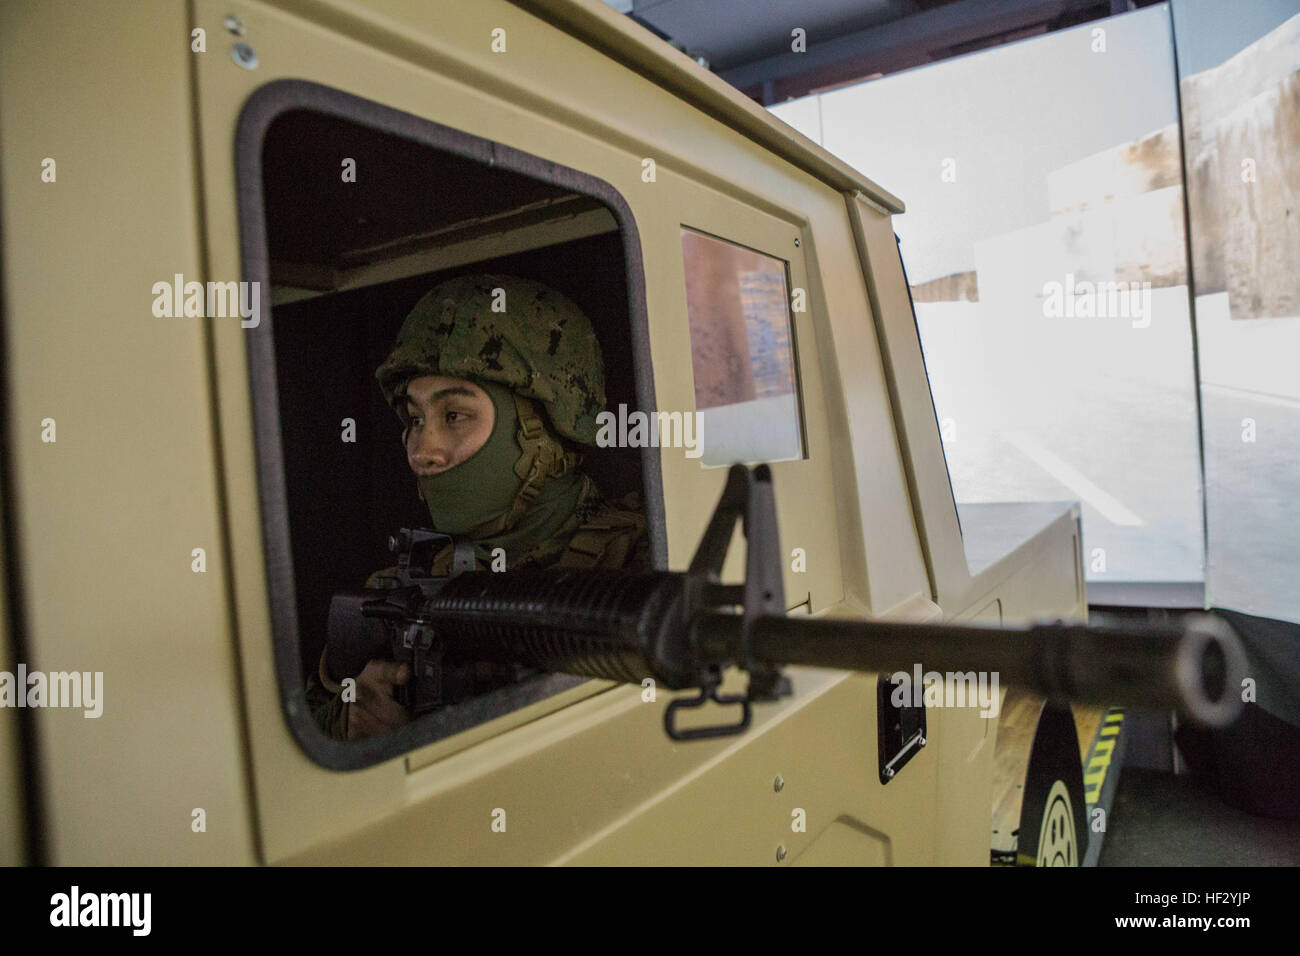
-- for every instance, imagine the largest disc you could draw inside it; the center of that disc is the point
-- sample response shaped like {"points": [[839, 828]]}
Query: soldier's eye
{"points": [[454, 417]]}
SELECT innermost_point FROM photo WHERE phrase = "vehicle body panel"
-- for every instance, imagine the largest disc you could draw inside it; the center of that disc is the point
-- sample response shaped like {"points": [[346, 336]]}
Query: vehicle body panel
{"points": [[155, 457]]}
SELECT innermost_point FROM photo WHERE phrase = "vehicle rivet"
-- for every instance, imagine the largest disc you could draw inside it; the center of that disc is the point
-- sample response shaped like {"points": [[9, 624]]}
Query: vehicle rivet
{"points": [[244, 56], [780, 853], [920, 742], [889, 772], [234, 25], [778, 783], [796, 242]]}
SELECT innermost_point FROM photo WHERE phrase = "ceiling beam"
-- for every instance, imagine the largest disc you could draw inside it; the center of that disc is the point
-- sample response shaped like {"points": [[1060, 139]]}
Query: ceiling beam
{"points": [[905, 42]]}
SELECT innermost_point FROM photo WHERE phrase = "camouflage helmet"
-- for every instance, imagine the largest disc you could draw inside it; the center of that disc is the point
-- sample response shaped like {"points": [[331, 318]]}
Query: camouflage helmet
{"points": [[541, 345]]}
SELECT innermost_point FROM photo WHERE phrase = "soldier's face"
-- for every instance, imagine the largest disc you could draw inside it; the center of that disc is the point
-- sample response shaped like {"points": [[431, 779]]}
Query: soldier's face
{"points": [[447, 420]]}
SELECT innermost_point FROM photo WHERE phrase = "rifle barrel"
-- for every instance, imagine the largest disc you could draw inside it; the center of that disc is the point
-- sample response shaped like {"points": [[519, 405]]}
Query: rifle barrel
{"points": [[627, 627], [1197, 668]]}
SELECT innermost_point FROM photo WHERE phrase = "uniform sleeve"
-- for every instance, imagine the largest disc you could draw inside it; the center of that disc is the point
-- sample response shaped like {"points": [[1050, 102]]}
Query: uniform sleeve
{"points": [[324, 697], [328, 710]]}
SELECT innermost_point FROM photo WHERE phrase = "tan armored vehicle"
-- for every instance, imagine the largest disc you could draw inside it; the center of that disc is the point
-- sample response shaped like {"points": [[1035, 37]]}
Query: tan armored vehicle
{"points": [[212, 228]]}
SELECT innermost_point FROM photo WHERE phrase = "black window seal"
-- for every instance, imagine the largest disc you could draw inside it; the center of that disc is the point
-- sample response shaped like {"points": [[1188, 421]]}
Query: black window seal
{"points": [[259, 112]]}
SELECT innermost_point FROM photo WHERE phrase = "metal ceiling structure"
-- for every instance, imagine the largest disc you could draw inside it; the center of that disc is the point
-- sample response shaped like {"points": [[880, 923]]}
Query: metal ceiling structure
{"points": [[749, 42]]}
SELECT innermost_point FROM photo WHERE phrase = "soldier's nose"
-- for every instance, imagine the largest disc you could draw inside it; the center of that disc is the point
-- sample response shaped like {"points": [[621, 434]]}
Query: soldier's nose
{"points": [[427, 458], [430, 463]]}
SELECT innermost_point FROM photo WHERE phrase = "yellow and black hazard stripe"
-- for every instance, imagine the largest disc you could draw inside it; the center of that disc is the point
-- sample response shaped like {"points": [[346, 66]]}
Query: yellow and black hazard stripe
{"points": [[1097, 765]]}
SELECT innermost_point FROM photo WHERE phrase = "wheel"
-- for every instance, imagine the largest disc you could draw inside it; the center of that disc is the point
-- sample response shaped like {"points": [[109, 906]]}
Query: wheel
{"points": [[1053, 828], [1058, 841]]}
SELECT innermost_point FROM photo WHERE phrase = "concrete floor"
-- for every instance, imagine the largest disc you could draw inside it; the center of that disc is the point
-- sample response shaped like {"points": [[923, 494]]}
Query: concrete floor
{"points": [[1159, 819]]}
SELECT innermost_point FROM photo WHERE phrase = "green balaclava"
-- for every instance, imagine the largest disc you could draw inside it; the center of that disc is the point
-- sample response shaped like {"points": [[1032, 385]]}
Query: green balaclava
{"points": [[489, 496], [485, 485], [490, 472]]}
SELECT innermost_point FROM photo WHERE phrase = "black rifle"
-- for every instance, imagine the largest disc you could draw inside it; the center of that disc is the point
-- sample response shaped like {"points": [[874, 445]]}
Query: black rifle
{"points": [[683, 629]]}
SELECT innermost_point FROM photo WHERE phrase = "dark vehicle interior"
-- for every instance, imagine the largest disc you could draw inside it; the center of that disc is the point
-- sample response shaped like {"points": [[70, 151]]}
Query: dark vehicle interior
{"points": [[348, 260]]}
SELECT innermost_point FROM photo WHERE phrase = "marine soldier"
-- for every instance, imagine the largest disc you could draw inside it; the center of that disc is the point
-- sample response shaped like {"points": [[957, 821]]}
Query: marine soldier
{"points": [[494, 405]]}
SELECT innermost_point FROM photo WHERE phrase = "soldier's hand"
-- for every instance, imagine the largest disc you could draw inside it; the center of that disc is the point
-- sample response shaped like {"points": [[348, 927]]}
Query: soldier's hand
{"points": [[375, 711]]}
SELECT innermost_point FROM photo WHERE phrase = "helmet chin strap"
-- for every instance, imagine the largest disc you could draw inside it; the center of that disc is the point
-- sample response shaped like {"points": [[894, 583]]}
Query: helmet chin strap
{"points": [[543, 457]]}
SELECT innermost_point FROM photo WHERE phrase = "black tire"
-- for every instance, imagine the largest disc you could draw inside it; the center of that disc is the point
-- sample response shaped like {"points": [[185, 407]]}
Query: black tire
{"points": [[1053, 815]]}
